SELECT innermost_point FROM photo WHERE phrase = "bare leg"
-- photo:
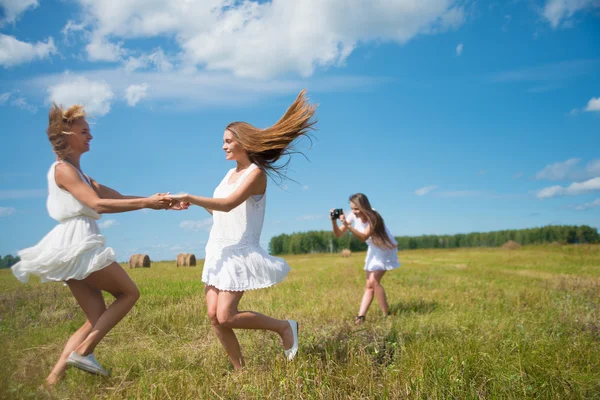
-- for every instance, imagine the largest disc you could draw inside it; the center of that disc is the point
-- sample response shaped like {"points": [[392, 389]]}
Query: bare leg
{"points": [[367, 298], [380, 292], [92, 303], [229, 316], [112, 279], [226, 335]]}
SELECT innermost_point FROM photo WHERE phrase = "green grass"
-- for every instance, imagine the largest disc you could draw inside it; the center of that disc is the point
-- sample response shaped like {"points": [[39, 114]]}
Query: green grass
{"points": [[468, 323]]}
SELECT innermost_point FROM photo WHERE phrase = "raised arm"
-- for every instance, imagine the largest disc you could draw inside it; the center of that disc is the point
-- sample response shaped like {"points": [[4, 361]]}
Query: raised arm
{"points": [[255, 183], [68, 179], [362, 236], [337, 230]]}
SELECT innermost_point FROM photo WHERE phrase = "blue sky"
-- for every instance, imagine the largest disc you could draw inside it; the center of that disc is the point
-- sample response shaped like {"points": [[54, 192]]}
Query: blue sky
{"points": [[452, 116]]}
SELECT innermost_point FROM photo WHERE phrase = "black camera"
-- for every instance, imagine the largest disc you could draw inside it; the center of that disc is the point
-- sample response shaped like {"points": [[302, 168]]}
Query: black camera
{"points": [[335, 214]]}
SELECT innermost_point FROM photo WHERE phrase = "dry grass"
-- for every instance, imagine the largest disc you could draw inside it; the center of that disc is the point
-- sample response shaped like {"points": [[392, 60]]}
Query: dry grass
{"points": [[470, 323]]}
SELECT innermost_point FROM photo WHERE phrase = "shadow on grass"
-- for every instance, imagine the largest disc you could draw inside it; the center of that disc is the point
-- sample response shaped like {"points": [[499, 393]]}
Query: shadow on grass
{"points": [[415, 306]]}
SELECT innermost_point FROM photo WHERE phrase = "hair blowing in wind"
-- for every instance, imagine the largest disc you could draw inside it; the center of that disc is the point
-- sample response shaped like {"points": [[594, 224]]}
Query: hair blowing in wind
{"points": [[266, 146], [379, 235]]}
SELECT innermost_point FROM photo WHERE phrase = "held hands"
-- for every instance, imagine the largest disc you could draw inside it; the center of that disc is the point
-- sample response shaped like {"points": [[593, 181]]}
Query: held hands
{"points": [[164, 201]]}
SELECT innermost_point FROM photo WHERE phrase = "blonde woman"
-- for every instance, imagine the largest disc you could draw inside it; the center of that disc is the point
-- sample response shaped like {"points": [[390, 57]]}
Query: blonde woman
{"points": [[74, 251], [382, 254], [235, 262]]}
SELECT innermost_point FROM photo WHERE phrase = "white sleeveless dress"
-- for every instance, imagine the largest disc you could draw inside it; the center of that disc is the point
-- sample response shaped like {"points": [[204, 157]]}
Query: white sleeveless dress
{"points": [[234, 259], [74, 248], [377, 259]]}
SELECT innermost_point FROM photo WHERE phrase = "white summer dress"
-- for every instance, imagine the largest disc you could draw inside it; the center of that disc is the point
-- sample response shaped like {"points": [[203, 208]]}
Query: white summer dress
{"points": [[74, 248], [234, 259], [377, 259]]}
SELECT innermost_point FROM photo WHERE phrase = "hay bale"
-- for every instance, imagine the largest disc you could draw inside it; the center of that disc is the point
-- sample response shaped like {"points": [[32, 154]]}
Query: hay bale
{"points": [[555, 244], [346, 253], [511, 245], [139, 261], [190, 260], [186, 260]]}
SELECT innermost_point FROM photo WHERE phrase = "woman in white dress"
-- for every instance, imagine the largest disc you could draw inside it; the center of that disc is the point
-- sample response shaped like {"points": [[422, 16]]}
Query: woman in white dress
{"points": [[382, 254], [235, 261], [74, 251]]}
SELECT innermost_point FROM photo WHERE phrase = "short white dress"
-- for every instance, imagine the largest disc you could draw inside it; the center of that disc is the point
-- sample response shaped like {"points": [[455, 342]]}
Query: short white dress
{"points": [[377, 259], [234, 259], [74, 248]]}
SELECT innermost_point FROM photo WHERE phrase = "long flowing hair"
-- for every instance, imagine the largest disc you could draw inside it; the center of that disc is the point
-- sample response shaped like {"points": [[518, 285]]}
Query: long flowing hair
{"points": [[266, 146], [378, 232]]}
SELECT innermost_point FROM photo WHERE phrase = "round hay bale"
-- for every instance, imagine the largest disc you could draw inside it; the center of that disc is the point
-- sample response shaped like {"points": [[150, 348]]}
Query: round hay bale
{"points": [[555, 244], [190, 260], [511, 245], [139, 261], [180, 258], [346, 253]]}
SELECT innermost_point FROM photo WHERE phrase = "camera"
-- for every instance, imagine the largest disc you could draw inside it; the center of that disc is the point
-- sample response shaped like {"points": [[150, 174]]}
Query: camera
{"points": [[335, 214]]}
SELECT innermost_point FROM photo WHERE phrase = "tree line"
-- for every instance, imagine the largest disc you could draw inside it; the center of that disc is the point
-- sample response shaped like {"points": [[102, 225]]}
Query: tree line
{"points": [[8, 261], [326, 242]]}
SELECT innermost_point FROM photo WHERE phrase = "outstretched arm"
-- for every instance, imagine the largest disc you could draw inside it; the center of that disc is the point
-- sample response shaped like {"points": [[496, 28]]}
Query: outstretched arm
{"points": [[104, 192], [68, 179], [255, 183]]}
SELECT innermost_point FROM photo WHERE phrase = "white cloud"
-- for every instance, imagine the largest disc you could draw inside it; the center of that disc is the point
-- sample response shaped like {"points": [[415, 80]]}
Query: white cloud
{"points": [[459, 49], [17, 101], [6, 211], [196, 225], [570, 169], [559, 170], [557, 11], [14, 8], [100, 49], [14, 52], [185, 90], [96, 96], [158, 59], [266, 39], [574, 189], [107, 223], [518, 175], [593, 104], [135, 93], [305, 187], [311, 217], [23, 194], [585, 206], [424, 190]]}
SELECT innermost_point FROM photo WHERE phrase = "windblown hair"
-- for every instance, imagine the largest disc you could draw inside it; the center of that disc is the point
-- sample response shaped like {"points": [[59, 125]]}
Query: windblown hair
{"points": [[266, 146], [378, 231], [60, 122]]}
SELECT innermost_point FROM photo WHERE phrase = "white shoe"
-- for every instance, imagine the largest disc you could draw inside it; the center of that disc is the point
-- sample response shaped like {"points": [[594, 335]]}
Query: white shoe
{"points": [[87, 363], [291, 353]]}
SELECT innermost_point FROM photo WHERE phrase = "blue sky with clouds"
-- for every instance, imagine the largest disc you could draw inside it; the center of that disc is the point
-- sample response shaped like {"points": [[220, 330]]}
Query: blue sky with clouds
{"points": [[452, 116]]}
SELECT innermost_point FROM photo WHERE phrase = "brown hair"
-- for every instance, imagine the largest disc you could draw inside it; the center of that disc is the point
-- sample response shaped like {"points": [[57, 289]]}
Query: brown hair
{"points": [[60, 122], [378, 231], [266, 146]]}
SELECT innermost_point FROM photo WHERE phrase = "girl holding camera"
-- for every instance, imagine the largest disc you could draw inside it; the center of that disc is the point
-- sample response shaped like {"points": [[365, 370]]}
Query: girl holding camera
{"points": [[382, 255]]}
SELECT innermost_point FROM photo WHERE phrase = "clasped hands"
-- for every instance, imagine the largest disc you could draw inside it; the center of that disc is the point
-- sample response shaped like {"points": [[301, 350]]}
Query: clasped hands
{"points": [[167, 201]]}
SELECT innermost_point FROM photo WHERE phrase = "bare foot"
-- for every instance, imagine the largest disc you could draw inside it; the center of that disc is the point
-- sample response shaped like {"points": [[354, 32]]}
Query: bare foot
{"points": [[287, 336]]}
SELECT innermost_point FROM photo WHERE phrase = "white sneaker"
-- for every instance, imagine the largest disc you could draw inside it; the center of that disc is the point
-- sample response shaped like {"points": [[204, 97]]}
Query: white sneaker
{"points": [[291, 353], [87, 363]]}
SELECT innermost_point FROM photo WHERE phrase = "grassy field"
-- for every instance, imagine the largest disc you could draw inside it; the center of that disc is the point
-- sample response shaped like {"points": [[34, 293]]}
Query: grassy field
{"points": [[468, 323]]}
